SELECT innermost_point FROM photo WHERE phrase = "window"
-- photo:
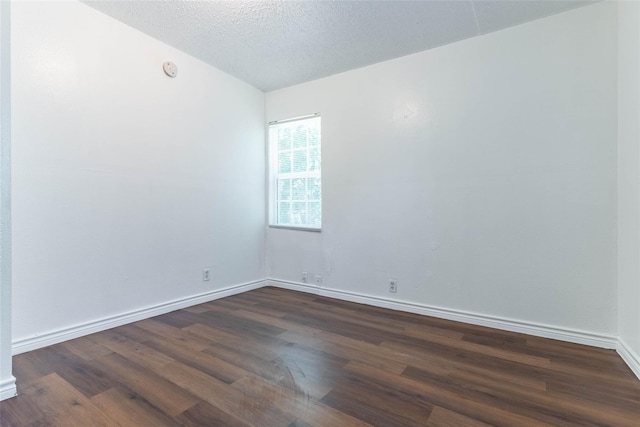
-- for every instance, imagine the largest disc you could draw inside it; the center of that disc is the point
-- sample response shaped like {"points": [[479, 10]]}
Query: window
{"points": [[295, 173]]}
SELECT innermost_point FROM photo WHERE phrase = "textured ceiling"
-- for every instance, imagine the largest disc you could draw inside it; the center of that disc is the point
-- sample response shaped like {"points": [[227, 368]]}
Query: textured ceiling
{"points": [[274, 44]]}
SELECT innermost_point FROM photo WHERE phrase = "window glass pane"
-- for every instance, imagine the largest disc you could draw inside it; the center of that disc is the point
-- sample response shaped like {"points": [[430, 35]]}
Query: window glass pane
{"points": [[314, 136], [313, 189], [314, 159], [300, 136], [314, 214], [284, 162], [284, 189], [299, 213], [284, 213], [300, 160], [298, 189], [284, 139]]}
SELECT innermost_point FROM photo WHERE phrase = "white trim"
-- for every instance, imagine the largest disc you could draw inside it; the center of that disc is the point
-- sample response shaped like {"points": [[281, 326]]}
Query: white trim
{"points": [[629, 356], [513, 325], [8, 388], [291, 227], [64, 334], [294, 119], [7, 382], [295, 286]]}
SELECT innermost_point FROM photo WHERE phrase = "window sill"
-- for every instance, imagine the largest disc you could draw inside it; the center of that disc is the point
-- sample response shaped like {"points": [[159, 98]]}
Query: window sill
{"points": [[291, 227]]}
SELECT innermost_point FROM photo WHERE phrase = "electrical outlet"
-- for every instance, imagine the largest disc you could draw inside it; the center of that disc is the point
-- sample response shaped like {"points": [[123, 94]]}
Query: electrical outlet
{"points": [[393, 285], [305, 276], [206, 274], [318, 280]]}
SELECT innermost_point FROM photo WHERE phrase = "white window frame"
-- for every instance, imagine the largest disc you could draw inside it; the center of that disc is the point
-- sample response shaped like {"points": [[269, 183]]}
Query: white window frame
{"points": [[273, 177]]}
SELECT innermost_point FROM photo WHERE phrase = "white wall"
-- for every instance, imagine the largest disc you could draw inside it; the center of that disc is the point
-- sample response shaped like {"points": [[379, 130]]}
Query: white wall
{"points": [[481, 175], [126, 182], [629, 180], [7, 381]]}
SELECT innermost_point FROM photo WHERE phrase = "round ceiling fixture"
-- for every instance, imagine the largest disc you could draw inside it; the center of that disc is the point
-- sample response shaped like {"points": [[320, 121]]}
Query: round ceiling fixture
{"points": [[170, 69]]}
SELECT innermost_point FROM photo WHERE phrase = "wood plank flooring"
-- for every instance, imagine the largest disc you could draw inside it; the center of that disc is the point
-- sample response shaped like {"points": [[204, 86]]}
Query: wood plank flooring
{"points": [[272, 357]]}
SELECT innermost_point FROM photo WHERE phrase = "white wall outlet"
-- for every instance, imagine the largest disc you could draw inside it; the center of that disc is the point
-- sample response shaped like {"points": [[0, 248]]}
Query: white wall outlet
{"points": [[206, 274], [305, 277], [318, 280], [393, 285]]}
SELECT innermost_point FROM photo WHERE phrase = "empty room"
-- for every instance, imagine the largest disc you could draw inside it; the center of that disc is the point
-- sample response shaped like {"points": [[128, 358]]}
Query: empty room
{"points": [[320, 213]]}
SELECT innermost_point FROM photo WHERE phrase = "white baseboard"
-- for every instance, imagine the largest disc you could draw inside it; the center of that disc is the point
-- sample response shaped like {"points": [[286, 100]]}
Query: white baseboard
{"points": [[295, 286], [8, 388], [513, 325], [56, 336], [629, 356]]}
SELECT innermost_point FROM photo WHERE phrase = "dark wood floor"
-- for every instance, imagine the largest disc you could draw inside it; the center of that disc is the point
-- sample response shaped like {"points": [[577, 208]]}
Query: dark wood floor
{"points": [[272, 357]]}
